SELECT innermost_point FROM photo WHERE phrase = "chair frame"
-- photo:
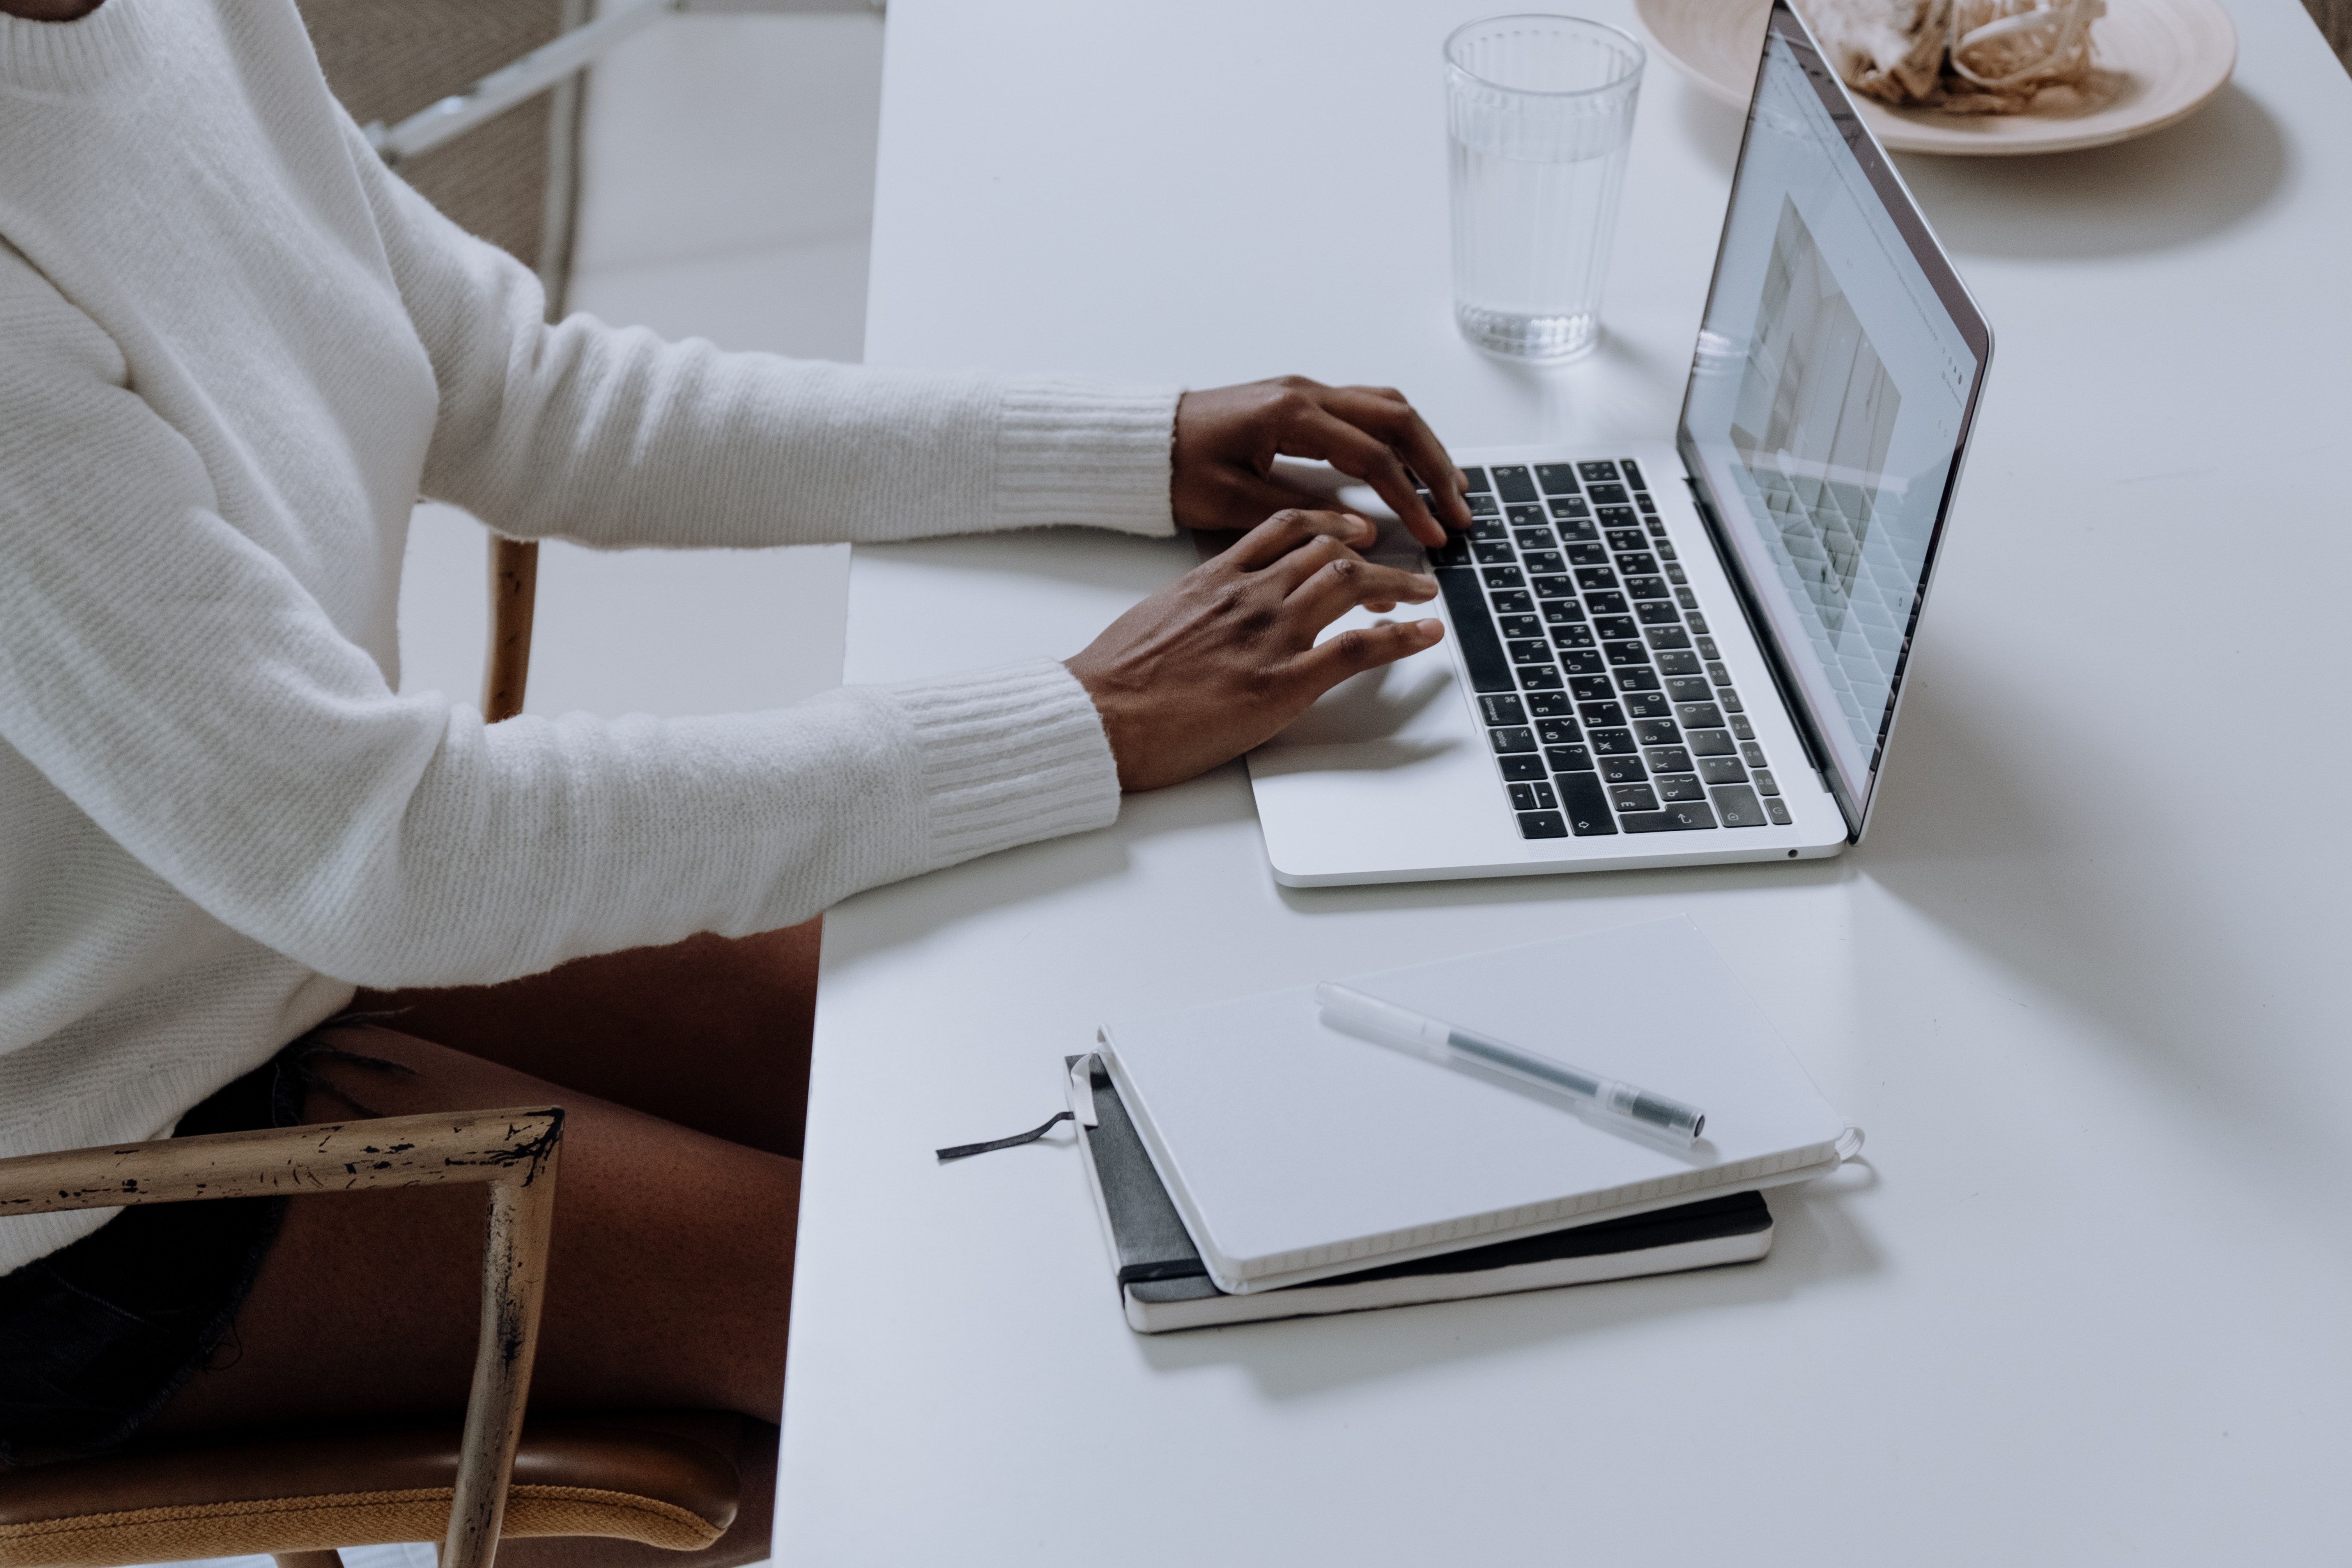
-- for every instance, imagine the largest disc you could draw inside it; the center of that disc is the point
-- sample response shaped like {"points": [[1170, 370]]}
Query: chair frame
{"points": [[514, 1153]]}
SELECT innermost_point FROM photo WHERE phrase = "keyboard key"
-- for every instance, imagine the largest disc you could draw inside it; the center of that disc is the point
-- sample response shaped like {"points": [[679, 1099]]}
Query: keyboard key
{"points": [[1618, 517], [1607, 602], [1547, 562], [1686, 689], [1484, 506], [1569, 758], [1557, 478], [1778, 811], [1477, 479], [1660, 732], [1688, 601], [1666, 549], [1577, 530], [1678, 663], [1633, 798], [1647, 705], [1706, 647], [1626, 653], [1554, 587], [1515, 483], [1601, 469], [1674, 820], [1607, 495], [1752, 754], [1560, 611], [1523, 766], [1586, 805], [1716, 672], [1611, 743], [1558, 732], [1533, 538], [1736, 804], [1490, 529], [1619, 628], [1587, 555], [1722, 771], [1675, 574], [1708, 742], [1637, 564], [1514, 738], [1601, 712], [1580, 660], [1668, 637], [1538, 677], [1573, 506], [1627, 539], [1592, 688], [1667, 759], [1455, 551], [1533, 798], [1696, 622], [1646, 587], [1549, 704], [1502, 709], [1482, 650], [1524, 516], [1701, 716], [1632, 475], [1731, 700], [1532, 651], [1659, 613], [1765, 782], [1627, 769], [1542, 825], [1520, 626], [1494, 553], [1591, 577], [1502, 577], [1571, 636], [1672, 787], [1511, 602], [1742, 727], [1637, 677]]}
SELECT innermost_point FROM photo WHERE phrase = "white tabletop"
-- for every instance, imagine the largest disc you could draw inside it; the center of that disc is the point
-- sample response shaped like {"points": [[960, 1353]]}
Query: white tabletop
{"points": [[2088, 1303]]}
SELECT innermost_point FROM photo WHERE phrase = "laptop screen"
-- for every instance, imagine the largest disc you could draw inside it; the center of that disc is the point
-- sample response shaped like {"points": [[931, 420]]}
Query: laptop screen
{"points": [[1836, 374]]}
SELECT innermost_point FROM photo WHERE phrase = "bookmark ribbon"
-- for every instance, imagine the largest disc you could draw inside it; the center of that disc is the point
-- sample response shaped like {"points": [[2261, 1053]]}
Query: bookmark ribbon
{"points": [[1080, 1088]]}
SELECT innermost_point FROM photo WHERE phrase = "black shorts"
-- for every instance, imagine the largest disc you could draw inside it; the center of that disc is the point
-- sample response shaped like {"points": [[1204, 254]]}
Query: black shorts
{"points": [[99, 1335]]}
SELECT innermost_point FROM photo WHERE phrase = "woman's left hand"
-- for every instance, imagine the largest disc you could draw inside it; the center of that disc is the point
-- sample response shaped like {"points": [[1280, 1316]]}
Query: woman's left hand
{"points": [[1228, 437]]}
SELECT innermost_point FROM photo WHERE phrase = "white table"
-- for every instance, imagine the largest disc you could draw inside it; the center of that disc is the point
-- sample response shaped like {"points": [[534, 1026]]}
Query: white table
{"points": [[2088, 1305]]}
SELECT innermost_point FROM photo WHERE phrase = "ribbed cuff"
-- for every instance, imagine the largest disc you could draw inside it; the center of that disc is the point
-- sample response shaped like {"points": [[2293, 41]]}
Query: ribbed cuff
{"points": [[1086, 452], [1008, 756]]}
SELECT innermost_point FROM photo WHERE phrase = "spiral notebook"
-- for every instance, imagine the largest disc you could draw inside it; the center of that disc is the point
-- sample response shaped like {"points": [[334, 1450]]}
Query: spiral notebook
{"points": [[1296, 1152]]}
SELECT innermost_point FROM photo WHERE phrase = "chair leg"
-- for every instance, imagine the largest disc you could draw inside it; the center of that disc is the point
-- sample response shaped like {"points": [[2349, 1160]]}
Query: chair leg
{"points": [[327, 1559]]}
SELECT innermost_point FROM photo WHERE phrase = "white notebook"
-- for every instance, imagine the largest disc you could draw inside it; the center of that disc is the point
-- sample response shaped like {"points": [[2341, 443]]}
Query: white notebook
{"points": [[1297, 1153]]}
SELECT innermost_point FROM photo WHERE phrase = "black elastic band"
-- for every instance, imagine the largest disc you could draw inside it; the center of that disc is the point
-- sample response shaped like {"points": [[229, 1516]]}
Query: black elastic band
{"points": [[961, 1149]]}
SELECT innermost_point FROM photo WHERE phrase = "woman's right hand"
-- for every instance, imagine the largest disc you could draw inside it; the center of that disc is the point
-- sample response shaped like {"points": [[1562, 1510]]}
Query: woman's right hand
{"points": [[1223, 658]]}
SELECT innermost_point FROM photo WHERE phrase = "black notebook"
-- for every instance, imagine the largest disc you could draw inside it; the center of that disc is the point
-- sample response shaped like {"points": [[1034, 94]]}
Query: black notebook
{"points": [[1164, 1285]]}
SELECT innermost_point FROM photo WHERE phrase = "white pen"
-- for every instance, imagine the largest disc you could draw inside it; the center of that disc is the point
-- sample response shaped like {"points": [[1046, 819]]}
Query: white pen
{"points": [[1441, 1041]]}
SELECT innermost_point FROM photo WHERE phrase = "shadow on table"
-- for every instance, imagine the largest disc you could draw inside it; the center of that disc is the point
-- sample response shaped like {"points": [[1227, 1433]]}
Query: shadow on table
{"points": [[1660, 882], [1815, 1243], [2207, 173]]}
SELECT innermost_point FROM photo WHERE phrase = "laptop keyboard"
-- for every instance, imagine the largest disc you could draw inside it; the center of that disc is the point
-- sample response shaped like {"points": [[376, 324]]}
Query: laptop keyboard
{"points": [[1604, 700]]}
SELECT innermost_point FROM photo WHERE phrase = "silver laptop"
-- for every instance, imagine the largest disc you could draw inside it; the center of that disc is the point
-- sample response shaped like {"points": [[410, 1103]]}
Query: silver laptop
{"points": [[1678, 653]]}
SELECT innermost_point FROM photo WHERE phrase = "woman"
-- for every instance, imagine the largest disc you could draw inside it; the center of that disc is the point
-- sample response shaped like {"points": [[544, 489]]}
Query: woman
{"points": [[233, 351]]}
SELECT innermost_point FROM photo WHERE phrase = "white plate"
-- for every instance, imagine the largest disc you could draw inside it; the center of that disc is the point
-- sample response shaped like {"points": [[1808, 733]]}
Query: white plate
{"points": [[2158, 61]]}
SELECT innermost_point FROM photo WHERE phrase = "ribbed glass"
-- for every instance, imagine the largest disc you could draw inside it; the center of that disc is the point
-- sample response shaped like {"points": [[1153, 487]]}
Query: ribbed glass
{"points": [[1539, 111]]}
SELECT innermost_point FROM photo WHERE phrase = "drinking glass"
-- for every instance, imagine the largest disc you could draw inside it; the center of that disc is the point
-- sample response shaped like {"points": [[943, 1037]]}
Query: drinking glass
{"points": [[1538, 112]]}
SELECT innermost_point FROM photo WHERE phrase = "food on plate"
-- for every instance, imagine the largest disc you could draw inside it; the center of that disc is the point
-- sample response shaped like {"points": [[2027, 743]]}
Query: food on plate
{"points": [[1964, 57]]}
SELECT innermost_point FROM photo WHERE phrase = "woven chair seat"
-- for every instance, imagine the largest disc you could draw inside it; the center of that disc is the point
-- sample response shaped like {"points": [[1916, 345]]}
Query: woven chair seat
{"points": [[666, 1479]]}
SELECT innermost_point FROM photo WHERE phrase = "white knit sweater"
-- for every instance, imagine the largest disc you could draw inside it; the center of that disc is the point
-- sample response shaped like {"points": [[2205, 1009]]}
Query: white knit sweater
{"points": [[234, 351]]}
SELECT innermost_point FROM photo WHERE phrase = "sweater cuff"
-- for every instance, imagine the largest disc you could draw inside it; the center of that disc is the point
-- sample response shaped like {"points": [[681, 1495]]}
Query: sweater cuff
{"points": [[1085, 452], [1007, 756]]}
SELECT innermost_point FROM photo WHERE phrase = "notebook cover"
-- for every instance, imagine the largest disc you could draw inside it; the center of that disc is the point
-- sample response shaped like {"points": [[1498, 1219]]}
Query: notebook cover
{"points": [[1294, 1152]]}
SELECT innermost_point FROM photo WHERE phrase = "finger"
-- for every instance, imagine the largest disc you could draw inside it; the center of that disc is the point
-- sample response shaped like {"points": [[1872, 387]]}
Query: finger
{"points": [[1360, 648], [1361, 455], [1245, 499], [1295, 570], [1385, 412], [1287, 530], [1339, 586]]}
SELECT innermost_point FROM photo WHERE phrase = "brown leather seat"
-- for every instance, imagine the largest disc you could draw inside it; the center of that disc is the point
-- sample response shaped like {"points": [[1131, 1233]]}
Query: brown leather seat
{"points": [[663, 1478]]}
